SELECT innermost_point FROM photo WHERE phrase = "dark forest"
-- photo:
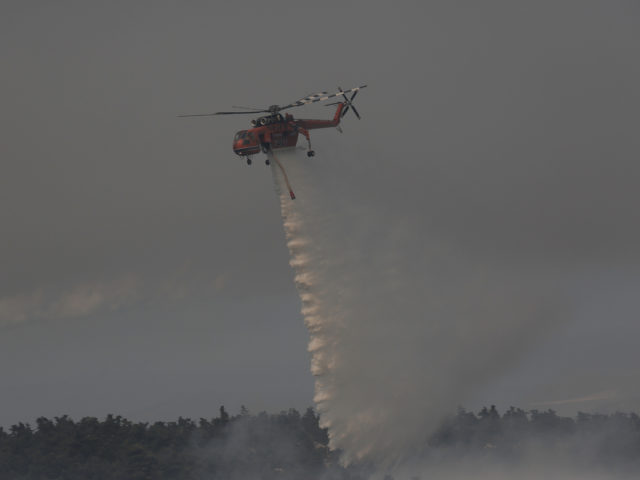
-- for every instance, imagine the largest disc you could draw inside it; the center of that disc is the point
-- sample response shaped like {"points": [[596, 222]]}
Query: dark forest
{"points": [[289, 445]]}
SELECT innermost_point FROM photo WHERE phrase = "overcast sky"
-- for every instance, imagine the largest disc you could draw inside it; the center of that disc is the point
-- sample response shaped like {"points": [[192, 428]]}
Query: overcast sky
{"points": [[144, 267]]}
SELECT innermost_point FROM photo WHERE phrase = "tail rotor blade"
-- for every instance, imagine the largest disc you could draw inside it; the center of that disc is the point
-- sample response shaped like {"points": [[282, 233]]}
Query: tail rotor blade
{"points": [[355, 111], [344, 112]]}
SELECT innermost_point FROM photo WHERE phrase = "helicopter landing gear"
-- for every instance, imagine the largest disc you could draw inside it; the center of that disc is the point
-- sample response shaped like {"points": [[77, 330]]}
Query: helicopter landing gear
{"points": [[305, 132], [248, 161], [266, 147]]}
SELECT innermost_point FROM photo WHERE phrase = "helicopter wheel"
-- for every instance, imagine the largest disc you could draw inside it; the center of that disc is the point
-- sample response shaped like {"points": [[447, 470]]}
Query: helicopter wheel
{"points": [[267, 162], [248, 161], [311, 153]]}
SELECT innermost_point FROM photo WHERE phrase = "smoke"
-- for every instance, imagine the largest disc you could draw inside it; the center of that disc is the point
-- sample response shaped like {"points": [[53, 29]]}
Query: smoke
{"points": [[403, 327], [478, 470], [73, 302]]}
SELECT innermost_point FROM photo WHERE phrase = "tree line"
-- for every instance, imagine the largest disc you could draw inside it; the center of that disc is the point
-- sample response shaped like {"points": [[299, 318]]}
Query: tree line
{"points": [[598, 440], [290, 445]]}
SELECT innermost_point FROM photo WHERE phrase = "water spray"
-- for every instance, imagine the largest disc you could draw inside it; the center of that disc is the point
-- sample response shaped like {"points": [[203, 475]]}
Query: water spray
{"points": [[402, 327]]}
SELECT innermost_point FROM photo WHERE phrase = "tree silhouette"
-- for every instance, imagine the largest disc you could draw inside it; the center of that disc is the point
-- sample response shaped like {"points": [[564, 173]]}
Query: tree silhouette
{"points": [[289, 446]]}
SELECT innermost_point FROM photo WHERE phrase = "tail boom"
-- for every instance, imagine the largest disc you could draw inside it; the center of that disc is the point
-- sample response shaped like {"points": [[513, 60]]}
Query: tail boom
{"points": [[310, 124]]}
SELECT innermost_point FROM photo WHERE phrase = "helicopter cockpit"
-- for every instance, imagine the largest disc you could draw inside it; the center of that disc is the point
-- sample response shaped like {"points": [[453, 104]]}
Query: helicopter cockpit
{"points": [[245, 143]]}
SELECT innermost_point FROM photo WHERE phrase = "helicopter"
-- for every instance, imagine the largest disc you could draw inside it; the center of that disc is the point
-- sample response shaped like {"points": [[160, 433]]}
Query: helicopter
{"points": [[275, 130]]}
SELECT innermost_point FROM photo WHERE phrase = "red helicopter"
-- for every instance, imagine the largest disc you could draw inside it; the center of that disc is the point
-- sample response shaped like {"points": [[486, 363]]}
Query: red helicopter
{"points": [[275, 130]]}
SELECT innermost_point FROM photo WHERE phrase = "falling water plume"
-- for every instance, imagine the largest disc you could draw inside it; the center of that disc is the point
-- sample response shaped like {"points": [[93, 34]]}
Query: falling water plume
{"points": [[402, 327]]}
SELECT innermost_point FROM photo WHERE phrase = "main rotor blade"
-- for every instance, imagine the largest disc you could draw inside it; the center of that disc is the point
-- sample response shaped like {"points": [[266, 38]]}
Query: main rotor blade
{"points": [[356, 90], [348, 101], [221, 113], [240, 113], [313, 98], [316, 98]]}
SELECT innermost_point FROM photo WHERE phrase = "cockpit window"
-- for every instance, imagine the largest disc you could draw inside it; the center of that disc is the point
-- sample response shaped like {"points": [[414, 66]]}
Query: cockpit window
{"points": [[240, 134]]}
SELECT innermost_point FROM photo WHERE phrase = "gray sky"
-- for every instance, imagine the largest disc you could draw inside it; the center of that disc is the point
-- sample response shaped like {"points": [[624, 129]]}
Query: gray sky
{"points": [[144, 269]]}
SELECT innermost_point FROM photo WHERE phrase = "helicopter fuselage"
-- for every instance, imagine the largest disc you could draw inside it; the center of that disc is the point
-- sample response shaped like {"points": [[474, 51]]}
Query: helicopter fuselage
{"points": [[278, 131]]}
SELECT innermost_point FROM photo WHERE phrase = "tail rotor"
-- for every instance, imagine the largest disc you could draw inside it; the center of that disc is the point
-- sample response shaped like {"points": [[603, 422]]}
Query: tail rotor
{"points": [[348, 102]]}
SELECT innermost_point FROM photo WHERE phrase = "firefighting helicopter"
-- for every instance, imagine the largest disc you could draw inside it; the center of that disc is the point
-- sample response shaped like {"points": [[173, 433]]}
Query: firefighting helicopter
{"points": [[274, 130]]}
